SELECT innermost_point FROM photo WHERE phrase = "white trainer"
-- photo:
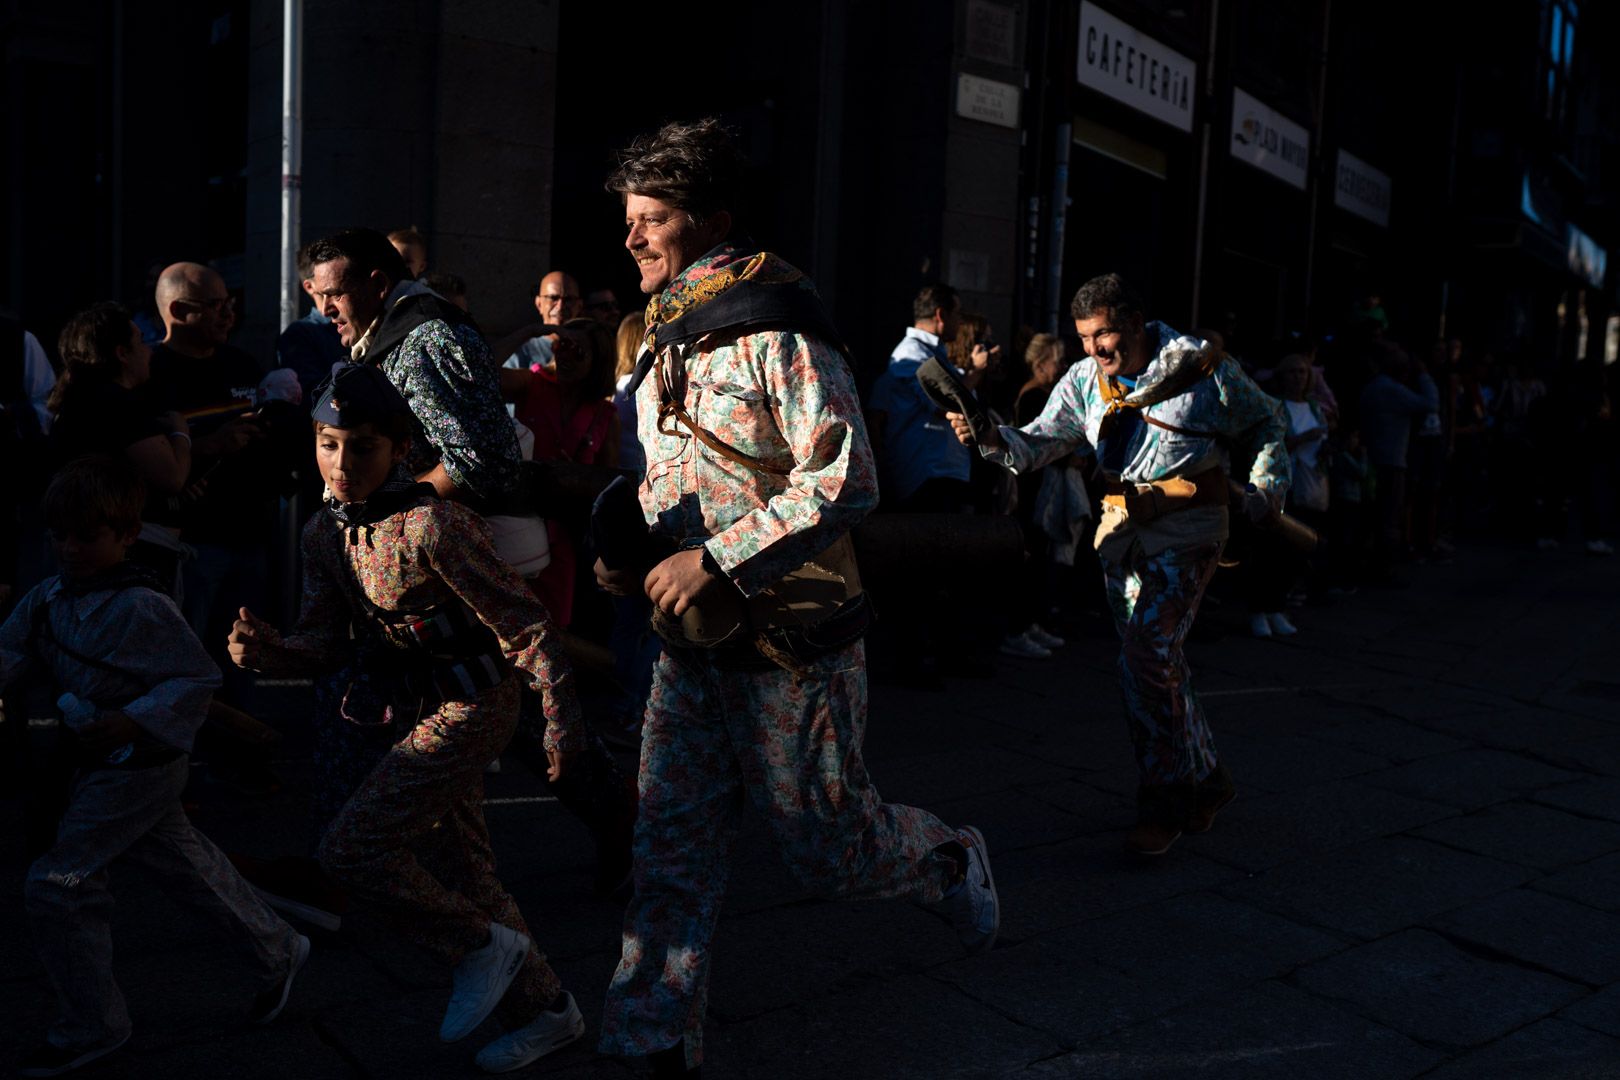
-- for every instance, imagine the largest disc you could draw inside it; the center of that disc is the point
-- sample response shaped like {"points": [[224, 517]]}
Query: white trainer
{"points": [[547, 1032], [974, 906], [1021, 645], [478, 982], [1280, 624], [1043, 637], [1259, 626]]}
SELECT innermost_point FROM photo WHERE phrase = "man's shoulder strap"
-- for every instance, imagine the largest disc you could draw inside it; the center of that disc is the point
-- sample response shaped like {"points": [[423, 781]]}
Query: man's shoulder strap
{"points": [[411, 312]]}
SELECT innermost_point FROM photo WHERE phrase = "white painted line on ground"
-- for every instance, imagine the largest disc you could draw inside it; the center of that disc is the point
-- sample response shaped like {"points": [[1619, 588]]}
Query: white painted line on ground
{"points": [[520, 799]]}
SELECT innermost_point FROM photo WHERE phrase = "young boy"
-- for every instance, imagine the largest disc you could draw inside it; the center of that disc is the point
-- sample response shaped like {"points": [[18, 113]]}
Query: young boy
{"points": [[441, 622], [136, 685]]}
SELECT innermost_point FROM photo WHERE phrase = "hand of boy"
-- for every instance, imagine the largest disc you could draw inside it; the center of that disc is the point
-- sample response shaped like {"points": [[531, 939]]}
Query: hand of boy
{"points": [[251, 639], [679, 581]]}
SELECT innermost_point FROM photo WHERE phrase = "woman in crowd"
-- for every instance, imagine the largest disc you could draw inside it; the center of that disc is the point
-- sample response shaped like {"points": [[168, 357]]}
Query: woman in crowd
{"points": [[99, 410]]}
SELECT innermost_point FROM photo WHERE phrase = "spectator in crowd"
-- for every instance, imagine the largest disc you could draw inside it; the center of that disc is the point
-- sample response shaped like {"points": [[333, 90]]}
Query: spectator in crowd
{"points": [[1048, 501], [603, 306], [1270, 567], [1395, 397], [1426, 455], [924, 468], [556, 300], [448, 285], [26, 379], [99, 410], [569, 409], [632, 329], [228, 514], [768, 467], [1164, 522], [309, 346], [136, 685], [445, 629], [412, 248]]}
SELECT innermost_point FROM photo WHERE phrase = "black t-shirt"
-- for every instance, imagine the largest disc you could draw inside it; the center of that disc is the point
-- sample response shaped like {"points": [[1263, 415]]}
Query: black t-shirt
{"points": [[238, 505], [106, 418], [100, 418]]}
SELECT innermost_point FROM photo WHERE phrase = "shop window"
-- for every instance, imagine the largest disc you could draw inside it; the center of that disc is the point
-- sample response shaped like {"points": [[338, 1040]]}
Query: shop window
{"points": [[1611, 340], [1559, 18]]}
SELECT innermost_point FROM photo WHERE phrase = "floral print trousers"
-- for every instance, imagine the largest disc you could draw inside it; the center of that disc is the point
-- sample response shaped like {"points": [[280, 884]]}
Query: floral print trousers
{"points": [[1154, 599], [412, 843], [715, 741]]}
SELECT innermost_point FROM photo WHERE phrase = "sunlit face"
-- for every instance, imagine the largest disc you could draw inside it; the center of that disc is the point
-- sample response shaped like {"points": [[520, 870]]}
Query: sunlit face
{"points": [[558, 299], [1117, 345], [355, 461], [351, 302], [663, 240], [87, 552]]}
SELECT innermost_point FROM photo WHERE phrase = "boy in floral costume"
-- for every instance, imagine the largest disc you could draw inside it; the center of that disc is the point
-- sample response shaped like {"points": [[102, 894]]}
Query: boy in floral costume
{"points": [[757, 467], [441, 622]]}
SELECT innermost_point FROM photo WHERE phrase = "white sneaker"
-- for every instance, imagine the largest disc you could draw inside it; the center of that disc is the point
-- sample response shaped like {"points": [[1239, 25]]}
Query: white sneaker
{"points": [[1259, 626], [1043, 638], [480, 979], [1599, 547], [1546, 543], [1280, 624], [1021, 645], [974, 906], [547, 1032]]}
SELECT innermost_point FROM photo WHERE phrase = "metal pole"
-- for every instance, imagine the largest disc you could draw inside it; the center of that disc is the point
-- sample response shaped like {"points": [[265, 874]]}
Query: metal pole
{"points": [[1203, 163], [1315, 177], [292, 153], [1060, 213]]}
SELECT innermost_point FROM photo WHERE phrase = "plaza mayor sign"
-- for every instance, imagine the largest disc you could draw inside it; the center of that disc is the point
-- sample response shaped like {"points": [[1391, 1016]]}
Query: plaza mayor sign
{"points": [[1119, 60]]}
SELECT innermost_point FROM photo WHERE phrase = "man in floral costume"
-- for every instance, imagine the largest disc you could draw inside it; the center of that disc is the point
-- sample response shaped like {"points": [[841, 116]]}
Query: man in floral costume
{"points": [[1168, 418], [758, 465]]}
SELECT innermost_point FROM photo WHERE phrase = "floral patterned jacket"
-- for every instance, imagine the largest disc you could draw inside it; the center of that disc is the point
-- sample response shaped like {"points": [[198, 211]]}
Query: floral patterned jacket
{"points": [[778, 396], [436, 552]]}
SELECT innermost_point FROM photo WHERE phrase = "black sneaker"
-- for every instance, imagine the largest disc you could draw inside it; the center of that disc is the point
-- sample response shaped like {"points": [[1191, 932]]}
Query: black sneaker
{"points": [[51, 1060], [273, 998]]}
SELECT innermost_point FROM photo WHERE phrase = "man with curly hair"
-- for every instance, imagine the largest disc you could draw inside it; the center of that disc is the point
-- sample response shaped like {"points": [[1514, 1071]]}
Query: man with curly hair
{"points": [[758, 465]]}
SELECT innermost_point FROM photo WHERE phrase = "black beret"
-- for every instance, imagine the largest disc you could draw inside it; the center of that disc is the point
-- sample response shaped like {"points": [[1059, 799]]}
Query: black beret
{"points": [[356, 394]]}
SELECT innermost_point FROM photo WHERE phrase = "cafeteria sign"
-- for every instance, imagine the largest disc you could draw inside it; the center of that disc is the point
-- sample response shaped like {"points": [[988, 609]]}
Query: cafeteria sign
{"points": [[1119, 60]]}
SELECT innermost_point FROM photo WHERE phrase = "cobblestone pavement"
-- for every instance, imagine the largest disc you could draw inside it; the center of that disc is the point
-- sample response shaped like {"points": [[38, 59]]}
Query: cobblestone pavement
{"points": [[1420, 877]]}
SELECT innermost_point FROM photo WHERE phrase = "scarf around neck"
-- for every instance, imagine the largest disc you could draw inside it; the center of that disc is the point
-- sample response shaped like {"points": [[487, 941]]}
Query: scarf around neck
{"points": [[732, 287], [400, 491]]}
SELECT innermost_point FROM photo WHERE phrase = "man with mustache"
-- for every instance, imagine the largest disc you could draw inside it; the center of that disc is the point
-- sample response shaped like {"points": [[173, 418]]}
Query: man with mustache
{"points": [[1168, 418], [758, 465]]}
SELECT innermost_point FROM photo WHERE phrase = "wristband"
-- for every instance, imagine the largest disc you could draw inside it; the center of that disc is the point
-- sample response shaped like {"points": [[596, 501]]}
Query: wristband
{"points": [[180, 435]]}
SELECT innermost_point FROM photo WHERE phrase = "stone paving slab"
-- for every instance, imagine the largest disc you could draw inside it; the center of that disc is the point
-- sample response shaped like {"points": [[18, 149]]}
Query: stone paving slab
{"points": [[1597, 797], [1469, 779], [1378, 887], [1595, 884], [1528, 834], [1264, 831], [1545, 1050], [1412, 800], [1548, 931], [1420, 984], [1268, 1032]]}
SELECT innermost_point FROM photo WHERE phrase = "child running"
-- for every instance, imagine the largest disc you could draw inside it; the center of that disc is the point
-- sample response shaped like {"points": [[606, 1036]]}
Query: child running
{"points": [[135, 685], [441, 622]]}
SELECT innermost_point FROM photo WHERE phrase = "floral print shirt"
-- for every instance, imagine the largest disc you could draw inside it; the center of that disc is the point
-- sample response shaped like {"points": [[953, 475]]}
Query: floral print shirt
{"points": [[1225, 418], [778, 396], [437, 552], [448, 377]]}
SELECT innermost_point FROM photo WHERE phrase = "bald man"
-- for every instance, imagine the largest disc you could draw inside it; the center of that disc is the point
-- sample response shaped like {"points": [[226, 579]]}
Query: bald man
{"points": [[557, 299], [236, 474]]}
